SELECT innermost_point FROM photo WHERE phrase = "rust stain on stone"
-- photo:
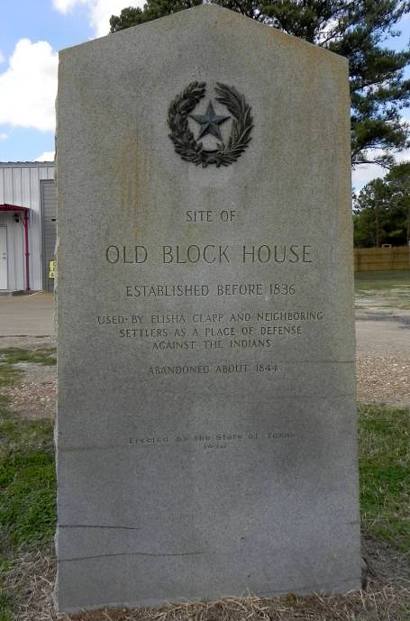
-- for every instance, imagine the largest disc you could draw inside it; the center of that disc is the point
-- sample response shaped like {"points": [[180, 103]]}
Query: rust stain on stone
{"points": [[130, 186]]}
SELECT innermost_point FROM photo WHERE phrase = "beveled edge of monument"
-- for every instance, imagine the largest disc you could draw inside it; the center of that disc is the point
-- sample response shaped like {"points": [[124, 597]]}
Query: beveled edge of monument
{"points": [[275, 32]]}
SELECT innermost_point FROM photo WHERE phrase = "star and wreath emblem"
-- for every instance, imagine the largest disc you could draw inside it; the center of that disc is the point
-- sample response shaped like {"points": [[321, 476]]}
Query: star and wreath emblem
{"points": [[190, 148]]}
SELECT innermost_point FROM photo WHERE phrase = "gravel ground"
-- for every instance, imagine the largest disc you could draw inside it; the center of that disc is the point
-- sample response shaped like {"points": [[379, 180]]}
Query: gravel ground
{"points": [[35, 395], [383, 379]]}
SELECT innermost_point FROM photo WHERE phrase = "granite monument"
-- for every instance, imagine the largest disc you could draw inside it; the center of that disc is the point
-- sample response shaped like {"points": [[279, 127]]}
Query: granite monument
{"points": [[206, 426]]}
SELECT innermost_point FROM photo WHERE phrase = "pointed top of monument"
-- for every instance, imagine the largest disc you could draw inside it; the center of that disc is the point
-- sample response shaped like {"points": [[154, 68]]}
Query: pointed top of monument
{"points": [[214, 17]]}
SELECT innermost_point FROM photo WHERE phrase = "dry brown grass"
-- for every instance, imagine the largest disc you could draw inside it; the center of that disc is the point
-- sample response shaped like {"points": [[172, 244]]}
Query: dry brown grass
{"points": [[379, 603], [385, 599], [31, 582]]}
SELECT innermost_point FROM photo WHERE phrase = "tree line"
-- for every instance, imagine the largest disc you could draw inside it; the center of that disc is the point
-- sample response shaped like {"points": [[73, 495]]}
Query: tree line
{"points": [[381, 213]]}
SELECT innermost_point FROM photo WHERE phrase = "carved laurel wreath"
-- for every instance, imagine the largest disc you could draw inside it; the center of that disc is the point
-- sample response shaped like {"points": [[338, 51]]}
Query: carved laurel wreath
{"points": [[185, 144]]}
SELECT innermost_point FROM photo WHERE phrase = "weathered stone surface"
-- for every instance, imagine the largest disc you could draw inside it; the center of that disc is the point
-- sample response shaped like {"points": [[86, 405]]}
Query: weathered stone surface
{"points": [[206, 441]]}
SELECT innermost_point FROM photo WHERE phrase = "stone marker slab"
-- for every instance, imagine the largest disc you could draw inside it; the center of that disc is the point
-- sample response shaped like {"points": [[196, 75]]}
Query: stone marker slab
{"points": [[206, 417]]}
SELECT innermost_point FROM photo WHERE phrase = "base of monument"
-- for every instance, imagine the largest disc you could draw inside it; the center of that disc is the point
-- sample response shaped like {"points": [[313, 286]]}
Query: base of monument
{"points": [[344, 587]]}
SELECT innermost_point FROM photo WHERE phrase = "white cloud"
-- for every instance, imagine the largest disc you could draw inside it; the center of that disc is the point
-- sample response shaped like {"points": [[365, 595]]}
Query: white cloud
{"points": [[47, 156], [365, 173], [403, 156], [3, 136], [28, 87], [100, 11], [64, 6]]}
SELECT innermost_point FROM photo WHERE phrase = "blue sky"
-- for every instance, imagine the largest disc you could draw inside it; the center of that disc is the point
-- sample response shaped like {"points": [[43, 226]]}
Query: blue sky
{"points": [[31, 33], [41, 22]]}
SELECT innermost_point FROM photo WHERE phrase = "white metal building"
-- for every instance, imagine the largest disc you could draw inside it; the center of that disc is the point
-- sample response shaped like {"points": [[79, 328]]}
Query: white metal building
{"points": [[27, 224]]}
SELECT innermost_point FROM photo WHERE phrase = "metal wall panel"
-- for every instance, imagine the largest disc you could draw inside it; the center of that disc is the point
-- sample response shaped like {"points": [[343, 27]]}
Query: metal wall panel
{"points": [[20, 185], [48, 218]]}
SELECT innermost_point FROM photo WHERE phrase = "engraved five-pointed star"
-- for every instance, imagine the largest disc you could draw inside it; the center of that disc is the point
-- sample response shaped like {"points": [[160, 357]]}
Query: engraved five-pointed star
{"points": [[209, 122]]}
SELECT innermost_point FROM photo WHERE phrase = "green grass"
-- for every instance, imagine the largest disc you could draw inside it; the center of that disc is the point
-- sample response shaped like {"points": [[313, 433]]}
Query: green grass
{"points": [[14, 355], [27, 492], [9, 374], [27, 483], [381, 280], [6, 607], [383, 290], [384, 449], [27, 471]]}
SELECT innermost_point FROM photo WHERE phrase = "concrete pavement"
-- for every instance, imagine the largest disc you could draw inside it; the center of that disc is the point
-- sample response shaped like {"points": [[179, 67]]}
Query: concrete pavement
{"points": [[27, 315], [379, 333]]}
